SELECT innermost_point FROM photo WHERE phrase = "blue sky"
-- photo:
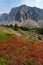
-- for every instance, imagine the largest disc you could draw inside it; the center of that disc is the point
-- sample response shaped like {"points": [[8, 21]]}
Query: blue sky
{"points": [[6, 5]]}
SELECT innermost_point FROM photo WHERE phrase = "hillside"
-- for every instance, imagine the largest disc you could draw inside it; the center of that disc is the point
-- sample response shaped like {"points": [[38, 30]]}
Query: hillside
{"points": [[18, 47]]}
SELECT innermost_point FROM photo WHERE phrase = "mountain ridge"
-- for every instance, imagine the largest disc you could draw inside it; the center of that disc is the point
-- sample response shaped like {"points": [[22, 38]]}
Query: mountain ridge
{"points": [[23, 13]]}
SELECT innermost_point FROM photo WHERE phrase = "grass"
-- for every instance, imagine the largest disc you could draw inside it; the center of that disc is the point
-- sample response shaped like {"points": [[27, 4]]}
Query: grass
{"points": [[19, 50], [3, 37]]}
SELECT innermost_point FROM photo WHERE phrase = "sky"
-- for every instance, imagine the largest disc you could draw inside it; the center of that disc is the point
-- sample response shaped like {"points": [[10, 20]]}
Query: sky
{"points": [[6, 5]]}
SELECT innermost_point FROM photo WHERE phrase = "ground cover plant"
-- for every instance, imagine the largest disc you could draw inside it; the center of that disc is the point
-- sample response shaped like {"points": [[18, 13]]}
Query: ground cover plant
{"points": [[19, 51]]}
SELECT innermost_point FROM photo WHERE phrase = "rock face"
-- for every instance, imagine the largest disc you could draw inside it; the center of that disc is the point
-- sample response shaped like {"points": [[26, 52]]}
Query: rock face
{"points": [[4, 17], [23, 13]]}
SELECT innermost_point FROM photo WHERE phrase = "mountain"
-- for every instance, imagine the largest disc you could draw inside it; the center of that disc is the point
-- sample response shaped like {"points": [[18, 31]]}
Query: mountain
{"points": [[23, 16]]}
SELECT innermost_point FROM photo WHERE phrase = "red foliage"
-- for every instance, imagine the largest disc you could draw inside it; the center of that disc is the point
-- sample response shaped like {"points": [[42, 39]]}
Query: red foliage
{"points": [[29, 54], [14, 45]]}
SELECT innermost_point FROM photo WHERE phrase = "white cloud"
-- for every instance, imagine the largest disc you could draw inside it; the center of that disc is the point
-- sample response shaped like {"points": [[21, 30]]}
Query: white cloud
{"points": [[28, 2], [33, 3], [38, 1]]}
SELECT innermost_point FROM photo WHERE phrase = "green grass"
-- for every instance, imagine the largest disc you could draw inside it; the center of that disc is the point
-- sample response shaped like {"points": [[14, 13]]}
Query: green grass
{"points": [[3, 37]]}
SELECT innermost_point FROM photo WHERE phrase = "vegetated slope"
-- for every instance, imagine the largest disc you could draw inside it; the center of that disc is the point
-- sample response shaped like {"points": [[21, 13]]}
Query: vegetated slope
{"points": [[21, 14], [17, 50]]}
